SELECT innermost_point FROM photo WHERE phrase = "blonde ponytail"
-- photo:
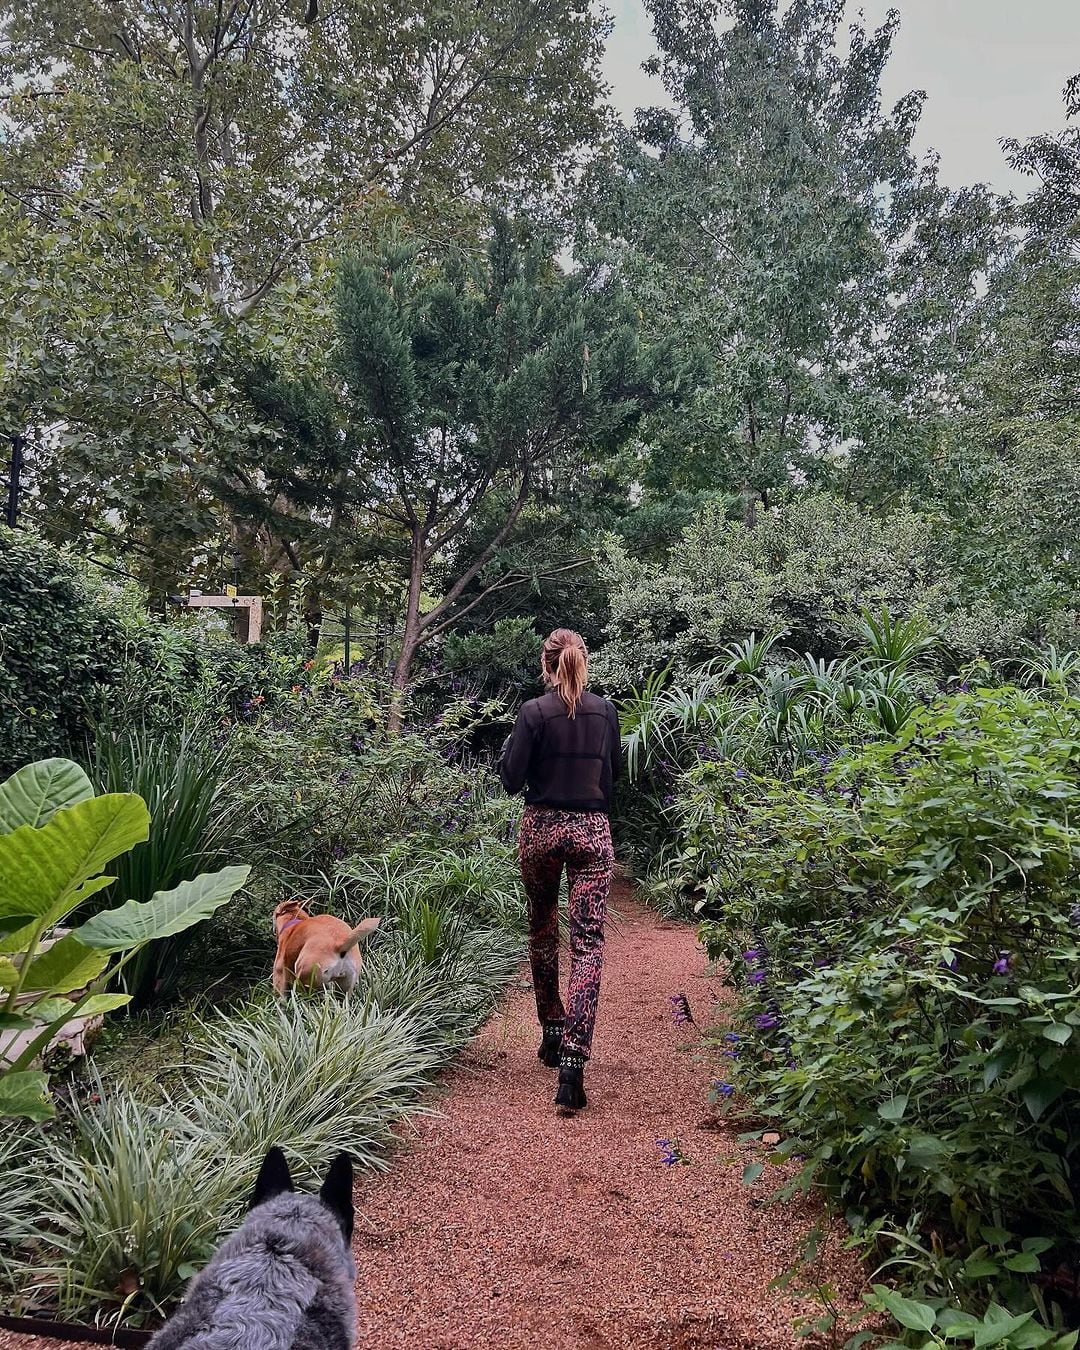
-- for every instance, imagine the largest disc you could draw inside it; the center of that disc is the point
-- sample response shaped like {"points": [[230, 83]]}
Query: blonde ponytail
{"points": [[565, 665]]}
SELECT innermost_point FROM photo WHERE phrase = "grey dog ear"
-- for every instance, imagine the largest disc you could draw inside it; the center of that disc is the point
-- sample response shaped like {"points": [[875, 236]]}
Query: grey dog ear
{"points": [[336, 1193], [273, 1179]]}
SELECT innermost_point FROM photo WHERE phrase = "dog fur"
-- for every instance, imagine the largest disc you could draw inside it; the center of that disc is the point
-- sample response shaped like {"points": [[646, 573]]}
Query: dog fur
{"points": [[285, 1280], [316, 950]]}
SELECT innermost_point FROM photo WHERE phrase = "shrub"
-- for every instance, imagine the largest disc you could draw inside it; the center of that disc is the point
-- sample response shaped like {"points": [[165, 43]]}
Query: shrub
{"points": [[903, 927], [58, 648], [501, 663], [810, 567]]}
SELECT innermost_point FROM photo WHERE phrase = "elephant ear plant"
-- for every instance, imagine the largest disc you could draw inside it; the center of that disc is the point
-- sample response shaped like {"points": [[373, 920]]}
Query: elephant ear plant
{"points": [[56, 839]]}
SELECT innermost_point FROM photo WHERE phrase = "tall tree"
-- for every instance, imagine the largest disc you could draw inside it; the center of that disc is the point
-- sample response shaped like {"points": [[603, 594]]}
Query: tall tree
{"points": [[768, 216], [173, 177], [463, 385], [1014, 483]]}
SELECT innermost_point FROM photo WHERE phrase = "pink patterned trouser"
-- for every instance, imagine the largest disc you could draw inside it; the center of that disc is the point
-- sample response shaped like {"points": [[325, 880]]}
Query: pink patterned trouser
{"points": [[580, 841]]}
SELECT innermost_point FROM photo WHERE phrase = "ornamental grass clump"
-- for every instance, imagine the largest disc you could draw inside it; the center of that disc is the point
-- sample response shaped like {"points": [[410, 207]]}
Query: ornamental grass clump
{"points": [[117, 1211]]}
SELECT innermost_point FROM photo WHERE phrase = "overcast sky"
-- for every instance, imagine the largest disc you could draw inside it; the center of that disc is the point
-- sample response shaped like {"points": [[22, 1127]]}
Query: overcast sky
{"points": [[990, 68]]}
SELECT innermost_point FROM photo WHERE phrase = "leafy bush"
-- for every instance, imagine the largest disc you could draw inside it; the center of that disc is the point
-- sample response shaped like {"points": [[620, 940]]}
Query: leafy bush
{"points": [[56, 838], [503, 662], [58, 648], [810, 567], [903, 926]]}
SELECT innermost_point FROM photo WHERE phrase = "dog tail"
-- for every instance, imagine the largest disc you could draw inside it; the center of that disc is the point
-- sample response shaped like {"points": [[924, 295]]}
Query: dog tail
{"points": [[358, 935]]}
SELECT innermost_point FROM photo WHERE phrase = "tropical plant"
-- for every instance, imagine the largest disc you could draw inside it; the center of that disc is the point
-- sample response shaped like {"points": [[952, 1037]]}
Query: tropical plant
{"points": [[56, 838], [187, 782]]}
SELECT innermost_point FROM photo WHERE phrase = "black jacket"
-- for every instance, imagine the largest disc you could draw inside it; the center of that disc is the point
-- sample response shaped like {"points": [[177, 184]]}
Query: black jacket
{"points": [[562, 761]]}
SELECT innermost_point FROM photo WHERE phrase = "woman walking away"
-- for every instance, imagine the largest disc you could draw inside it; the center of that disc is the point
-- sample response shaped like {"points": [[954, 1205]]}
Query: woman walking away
{"points": [[565, 752]]}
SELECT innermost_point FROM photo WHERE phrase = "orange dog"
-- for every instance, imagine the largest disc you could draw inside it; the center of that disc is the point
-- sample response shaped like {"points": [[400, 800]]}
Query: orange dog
{"points": [[316, 950]]}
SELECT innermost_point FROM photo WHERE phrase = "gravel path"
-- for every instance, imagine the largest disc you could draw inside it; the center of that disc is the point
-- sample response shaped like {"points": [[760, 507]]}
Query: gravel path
{"points": [[503, 1224], [506, 1225]]}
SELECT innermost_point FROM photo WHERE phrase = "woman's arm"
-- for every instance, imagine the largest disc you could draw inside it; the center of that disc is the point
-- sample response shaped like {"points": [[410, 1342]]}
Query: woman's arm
{"points": [[514, 766]]}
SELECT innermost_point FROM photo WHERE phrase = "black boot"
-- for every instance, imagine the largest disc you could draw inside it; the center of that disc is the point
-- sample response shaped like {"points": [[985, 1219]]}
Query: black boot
{"points": [[551, 1045], [570, 1096]]}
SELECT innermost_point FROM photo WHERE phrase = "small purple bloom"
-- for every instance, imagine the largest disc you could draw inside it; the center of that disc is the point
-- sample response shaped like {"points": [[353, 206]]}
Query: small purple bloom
{"points": [[732, 1036], [740, 773], [763, 1021], [757, 977], [724, 1089], [752, 955], [1001, 965], [669, 1152], [953, 964], [680, 1009]]}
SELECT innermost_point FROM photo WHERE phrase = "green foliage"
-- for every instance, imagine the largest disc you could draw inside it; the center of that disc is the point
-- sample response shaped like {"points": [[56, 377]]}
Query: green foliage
{"points": [[910, 974], [57, 651], [57, 839], [503, 662], [131, 300], [154, 1184], [460, 381], [811, 568], [189, 785]]}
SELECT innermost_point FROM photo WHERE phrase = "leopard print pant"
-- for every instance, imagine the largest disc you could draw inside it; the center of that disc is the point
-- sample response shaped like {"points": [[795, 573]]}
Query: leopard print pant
{"points": [[580, 841]]}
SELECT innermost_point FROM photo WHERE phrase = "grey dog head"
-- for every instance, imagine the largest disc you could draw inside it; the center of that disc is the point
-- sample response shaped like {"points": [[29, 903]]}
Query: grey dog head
{"points": [[285, 1280]]}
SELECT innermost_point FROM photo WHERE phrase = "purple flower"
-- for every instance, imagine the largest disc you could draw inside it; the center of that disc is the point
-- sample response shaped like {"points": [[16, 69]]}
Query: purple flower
{"points": [[740, 773], [669, 1152], [757, 977], [752, 955], [953, 964], [680, 1009], [732, 1036], [763, 1021], [1001, 965], [722, 1088]]}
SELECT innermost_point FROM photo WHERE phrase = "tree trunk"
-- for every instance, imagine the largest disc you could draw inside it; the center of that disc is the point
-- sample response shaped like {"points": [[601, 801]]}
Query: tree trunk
{"points": [[750, 499], [411, 638], [313, 616]]}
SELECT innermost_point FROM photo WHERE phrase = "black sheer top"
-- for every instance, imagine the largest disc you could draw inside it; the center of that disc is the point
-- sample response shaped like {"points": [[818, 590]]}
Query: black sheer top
{"points": [[562, 761]]}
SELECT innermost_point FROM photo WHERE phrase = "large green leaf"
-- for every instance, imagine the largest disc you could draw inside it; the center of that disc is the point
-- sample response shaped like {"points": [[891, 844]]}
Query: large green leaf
{"points": [[44, 871], [164, 914], [67, 965], [909, 1313], [34, 794], [57, 1012], [26, 1094], [15, 936]]}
